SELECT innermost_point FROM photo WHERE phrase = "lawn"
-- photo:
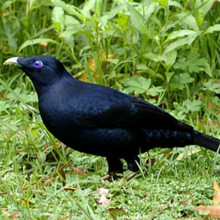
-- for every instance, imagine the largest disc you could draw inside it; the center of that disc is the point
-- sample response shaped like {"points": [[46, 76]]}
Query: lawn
{"points": [[167, 52]]}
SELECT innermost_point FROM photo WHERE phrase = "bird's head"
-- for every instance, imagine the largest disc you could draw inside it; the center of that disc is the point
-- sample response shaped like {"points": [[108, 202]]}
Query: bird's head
{"points": [[42, 70]]}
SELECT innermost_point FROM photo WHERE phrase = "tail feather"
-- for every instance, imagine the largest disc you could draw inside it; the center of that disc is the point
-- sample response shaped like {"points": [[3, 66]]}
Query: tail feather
{"points": [[206, 141]]}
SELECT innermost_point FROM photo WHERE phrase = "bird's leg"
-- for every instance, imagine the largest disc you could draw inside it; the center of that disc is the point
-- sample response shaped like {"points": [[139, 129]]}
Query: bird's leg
{"points": [[132, 163], [114, 165]]}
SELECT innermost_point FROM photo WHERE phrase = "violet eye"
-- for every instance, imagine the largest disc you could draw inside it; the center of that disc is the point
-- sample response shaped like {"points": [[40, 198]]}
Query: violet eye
{"points": [[38, 64]]}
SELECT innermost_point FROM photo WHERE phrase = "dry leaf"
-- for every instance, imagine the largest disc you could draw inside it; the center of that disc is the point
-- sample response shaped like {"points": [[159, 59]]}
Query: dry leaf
{"points": [[166, 153], [92, 66], [102, 199], [25, 202], [103, 58], [57, 143], [6, 49], [63, 218], [14, 215], [169, 202], [216, 197], [138, 73], [59, 172], [207, 123], [215, 4], [78, 171], [48, 181], [127, 178], [44, 44], [209, 211], [107, 178], [115, 212], [151, 161], [34, 190], [185, 201], [38, 191], [71, 189], [127, 192]]}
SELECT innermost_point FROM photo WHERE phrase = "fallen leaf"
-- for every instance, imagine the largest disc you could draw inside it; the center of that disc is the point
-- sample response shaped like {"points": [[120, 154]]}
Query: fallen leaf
{"points": [[46, 145], [216, 186], [207, 123], [78, 171], [44, 44], [184, 202], [38, 190], [209, 211], [107, 178], [127, 178], [137, 73], [14, 215], [215, 4], [63, 218], [48, 181], [25, 202], [101, 195], [166, 153], [5, 49], [150, 161], [127, 192], [103, 58], [58, 144], [115, 212], [71, 189], [60, 172], [169, 202], [34, 190], [216, 196]]}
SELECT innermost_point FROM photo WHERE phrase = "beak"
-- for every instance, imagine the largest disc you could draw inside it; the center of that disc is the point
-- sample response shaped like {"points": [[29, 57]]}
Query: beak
{"points": [[12, 61]]}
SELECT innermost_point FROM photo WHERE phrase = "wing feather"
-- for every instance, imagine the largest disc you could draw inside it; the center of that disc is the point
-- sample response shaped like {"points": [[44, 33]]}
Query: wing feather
{"points": [[135, 113]]}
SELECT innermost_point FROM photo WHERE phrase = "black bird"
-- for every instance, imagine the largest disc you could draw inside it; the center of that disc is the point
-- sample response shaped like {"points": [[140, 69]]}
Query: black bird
{"points": [[99, 120]]}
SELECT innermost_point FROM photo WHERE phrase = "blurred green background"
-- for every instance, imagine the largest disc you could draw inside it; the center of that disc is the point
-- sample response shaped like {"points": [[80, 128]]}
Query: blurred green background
{"points": [[167, 52]]}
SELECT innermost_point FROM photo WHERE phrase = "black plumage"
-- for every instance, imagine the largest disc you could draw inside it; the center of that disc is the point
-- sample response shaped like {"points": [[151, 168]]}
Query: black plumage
{"points": [[99, 120]]}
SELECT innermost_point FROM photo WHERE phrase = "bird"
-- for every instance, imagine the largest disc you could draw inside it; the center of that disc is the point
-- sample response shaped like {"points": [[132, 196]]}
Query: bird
{"points": [[100, 120]]}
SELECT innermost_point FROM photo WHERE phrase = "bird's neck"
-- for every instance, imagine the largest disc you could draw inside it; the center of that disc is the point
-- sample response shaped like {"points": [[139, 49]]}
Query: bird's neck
{"points": [[42, 87]]}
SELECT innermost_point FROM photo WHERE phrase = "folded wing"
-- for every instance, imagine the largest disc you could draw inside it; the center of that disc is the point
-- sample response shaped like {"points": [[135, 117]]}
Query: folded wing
{"points": [[134, 113]]}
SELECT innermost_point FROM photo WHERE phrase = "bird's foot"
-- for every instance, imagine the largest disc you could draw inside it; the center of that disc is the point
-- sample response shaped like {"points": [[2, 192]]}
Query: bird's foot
{"points": [[113, 175]]}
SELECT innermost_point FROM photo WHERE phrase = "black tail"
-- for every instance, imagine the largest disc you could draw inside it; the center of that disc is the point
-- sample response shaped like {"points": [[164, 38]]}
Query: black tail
{"points": [[206, 141]]}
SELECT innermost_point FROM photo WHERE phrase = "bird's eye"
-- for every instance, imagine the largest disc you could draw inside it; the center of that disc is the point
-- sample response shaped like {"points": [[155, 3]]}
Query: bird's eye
{"points": [[38, 64]]}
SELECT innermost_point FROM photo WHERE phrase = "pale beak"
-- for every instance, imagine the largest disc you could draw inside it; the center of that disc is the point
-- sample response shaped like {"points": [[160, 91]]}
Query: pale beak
{"points": [[12, 61]]}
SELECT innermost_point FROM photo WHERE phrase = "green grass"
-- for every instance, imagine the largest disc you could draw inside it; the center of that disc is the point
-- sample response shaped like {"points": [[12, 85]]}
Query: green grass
{"points": [[165, 53]]}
